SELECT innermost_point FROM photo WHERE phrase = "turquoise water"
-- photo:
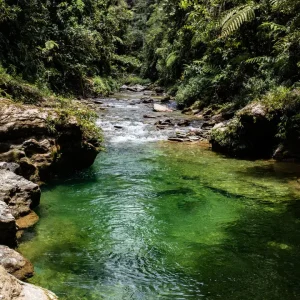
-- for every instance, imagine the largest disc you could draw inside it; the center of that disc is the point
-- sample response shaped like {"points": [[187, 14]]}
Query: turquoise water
{"points": [[156, 220]]}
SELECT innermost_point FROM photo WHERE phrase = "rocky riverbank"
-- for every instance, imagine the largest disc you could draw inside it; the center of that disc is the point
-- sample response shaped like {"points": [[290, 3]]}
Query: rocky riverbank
{"points": [[262, 129], [35, 143]]}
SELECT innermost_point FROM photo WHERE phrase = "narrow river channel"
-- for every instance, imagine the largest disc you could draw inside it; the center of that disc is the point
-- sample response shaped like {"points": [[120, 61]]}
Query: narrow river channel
{"points": [[153, 219]]}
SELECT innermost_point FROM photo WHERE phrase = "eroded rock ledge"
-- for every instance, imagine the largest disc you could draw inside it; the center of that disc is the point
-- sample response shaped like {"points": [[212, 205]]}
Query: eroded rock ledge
{"points": [[43, 141], [35, 143]]}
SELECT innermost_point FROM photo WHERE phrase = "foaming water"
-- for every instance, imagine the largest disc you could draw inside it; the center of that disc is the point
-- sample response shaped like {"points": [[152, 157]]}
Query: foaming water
{"points": [[124, 121], [156, 220]]}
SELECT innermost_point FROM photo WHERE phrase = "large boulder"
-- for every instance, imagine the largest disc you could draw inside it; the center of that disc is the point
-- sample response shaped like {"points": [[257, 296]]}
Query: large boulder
{"points": [[20, 194], [13, 289], [43, 141], [15, 264], [250, 134], [17, 198], [8, 228]]}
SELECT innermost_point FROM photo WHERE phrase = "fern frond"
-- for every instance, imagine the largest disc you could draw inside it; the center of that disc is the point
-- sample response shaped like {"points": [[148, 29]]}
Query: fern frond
{"points": [[171, 59], [259, 59], [273, 26], [234, 20]]}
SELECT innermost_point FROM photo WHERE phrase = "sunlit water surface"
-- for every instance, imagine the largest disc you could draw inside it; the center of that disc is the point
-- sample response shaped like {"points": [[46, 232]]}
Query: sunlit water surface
{"points": [[157, 220]]}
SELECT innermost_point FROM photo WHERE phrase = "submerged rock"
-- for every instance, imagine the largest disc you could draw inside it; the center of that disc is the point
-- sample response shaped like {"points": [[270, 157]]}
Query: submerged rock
{"points": [[149, 117], [15, 264], [13, 289]]}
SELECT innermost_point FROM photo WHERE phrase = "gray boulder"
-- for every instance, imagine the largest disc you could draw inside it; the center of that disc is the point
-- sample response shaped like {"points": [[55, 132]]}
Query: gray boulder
{"points": [[13, 289], [15, 264]]}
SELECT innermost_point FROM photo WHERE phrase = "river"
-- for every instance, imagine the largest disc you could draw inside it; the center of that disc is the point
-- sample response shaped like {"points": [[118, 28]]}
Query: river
{"points": [[153, 219]]}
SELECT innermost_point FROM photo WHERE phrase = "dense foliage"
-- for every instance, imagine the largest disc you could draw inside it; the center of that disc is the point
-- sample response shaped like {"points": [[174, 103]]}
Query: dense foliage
{"points": [[72, 46], [218, 51], [204, 51]]}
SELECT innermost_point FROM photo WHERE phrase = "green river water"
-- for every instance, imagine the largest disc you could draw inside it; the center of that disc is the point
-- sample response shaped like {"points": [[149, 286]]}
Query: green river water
{"points": [[158, 220]]}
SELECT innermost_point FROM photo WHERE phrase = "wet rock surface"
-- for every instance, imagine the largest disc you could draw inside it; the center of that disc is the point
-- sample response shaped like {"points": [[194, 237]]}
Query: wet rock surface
{"points": [[146, 115], [13, 289], [15, 264]]}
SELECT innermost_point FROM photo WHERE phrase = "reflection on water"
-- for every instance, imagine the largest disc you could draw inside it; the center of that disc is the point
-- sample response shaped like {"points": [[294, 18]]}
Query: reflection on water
{"points": [[169, 221]]}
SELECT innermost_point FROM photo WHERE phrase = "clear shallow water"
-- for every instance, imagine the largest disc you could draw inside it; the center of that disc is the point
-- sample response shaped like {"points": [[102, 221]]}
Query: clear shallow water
{"points": [[156, 220]]}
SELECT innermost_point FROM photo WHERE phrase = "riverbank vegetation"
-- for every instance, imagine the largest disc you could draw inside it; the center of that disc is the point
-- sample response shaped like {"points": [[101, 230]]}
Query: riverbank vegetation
{"points": [[221, 51], [225, 55], [215, 53]]}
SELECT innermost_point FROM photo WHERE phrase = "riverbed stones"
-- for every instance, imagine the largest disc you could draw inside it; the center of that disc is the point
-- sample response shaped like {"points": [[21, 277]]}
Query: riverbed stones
{"points": [[147, 100], [13, 289], [15, 264], [149, 116], [27, 221], [135, 88], [161, 108], [184, 123]]}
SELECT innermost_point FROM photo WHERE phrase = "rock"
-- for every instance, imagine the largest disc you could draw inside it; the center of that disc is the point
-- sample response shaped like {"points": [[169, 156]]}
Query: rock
{"points": [[149, 117], [8, 228], [250, 134], [27, 221], [184, 123], [15, 264], [220, 125], [181, 135], [209, 124], [149, 93], [147, 100], [134, 102], [13, 167], [218, 118], [41, 142], [194, 138], [158, 90], [136, 88], [177, 139], [207, 112], [161, 108], [124, 87], [18, 193], [165, 99], [13, 289], [166, 122], [162, 126], [118, 127], [97, 102], [187, 111]]}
